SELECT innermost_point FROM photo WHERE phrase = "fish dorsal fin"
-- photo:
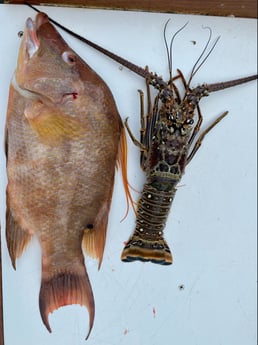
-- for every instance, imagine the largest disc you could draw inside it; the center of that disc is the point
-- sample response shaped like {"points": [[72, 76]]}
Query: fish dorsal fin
{"points": [[122, 163]]}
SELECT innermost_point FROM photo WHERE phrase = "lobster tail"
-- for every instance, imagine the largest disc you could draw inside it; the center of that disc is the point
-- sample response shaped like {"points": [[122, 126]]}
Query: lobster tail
{"points": [[147, 242], [138, 248]]}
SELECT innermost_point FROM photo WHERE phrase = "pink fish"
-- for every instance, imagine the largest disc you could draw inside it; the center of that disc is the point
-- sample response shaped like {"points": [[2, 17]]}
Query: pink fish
{"points": [[64, 137]]}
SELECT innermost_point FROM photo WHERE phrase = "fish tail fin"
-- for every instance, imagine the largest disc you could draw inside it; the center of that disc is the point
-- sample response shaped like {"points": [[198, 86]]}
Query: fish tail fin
{"points": [[141, 249], [17, 238], [65, 288], [122, 162]]}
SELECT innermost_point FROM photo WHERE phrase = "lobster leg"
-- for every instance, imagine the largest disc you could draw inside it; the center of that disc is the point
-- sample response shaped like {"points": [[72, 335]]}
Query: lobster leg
{"points": [[197, 127], [149, 116], [201, 137], [149, 109], [181, 76], [134, 140], [143, 120], [143, 132], [147, 124], [178, 97], [141, 144], [147, 121]]}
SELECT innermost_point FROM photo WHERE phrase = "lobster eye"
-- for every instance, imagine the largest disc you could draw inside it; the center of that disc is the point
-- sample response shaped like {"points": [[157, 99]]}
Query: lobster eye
{"points": [[69, 58], [189, 121]]}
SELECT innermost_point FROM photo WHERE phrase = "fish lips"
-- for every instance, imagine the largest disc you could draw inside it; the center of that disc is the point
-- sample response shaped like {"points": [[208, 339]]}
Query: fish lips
{"points": [[31, 32]]}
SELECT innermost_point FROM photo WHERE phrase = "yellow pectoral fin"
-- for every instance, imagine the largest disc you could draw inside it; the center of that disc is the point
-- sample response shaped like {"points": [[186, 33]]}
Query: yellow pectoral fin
{"points": [[53, 126]]}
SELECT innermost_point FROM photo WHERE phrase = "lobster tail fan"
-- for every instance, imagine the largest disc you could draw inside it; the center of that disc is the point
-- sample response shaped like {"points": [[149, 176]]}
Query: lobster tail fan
{"points": [[139, 249]]}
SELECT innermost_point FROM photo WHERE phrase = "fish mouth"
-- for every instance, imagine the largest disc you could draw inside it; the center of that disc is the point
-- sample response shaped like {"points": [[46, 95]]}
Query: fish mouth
{"points": [[41, 18], [31, 29]]}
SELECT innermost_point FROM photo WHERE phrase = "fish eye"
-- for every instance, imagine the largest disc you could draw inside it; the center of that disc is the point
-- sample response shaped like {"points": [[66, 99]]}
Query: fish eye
{"points": [[69, 58]]}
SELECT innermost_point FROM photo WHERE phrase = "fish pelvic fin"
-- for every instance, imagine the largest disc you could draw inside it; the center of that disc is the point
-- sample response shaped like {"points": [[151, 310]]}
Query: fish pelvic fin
{"points": [[66, 288], [17, 238], [94, 237], [122, 162], [155, 251]]}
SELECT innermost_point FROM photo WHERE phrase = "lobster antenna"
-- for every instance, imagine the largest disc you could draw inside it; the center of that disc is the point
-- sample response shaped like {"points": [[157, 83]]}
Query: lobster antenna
{"points": [[169, 52], [196, 67]]}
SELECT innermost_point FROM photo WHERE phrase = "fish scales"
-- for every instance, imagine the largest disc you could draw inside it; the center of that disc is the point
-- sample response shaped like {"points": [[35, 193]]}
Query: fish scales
{"points": [[63, 133]]}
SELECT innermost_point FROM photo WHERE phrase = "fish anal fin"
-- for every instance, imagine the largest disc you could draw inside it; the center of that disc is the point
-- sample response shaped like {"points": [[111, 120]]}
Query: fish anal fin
{"points": [[66, 288], [94, 238], [16, 237]]}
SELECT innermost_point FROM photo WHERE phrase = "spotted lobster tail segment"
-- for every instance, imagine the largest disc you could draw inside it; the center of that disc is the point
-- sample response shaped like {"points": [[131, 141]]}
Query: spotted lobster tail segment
{"points": [[147, 242]]}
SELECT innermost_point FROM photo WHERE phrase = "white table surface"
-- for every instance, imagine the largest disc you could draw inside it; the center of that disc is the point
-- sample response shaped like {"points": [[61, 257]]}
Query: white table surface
{"points": [[212, 226]]}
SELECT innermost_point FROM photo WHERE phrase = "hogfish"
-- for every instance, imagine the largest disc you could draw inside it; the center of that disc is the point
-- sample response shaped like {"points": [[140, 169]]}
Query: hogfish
{"points": [[64, 137]]}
